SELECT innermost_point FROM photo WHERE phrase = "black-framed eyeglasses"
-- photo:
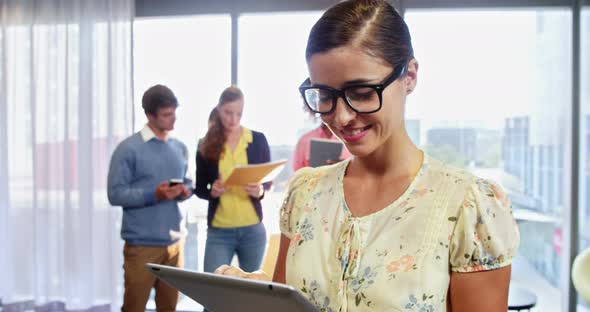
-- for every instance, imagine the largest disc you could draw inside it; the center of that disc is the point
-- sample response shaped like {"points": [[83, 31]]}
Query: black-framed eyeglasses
{"points": [[362, 98]]}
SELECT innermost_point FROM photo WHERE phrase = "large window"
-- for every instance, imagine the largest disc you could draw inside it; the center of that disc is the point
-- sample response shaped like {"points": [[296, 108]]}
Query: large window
{"points": [[271, 66], [584, 213], [493, 97], [192, 56]]}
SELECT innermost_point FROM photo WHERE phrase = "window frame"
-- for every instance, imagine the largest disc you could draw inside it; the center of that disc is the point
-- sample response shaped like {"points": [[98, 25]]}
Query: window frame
{"points": [[152, 8]]}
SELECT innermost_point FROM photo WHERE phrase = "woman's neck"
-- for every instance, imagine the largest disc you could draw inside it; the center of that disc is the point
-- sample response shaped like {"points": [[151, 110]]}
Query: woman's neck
{"points": [[233, 134]]}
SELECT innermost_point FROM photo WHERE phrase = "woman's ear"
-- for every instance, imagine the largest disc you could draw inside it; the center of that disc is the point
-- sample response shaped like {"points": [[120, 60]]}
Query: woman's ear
{"points": [[411, 78]]}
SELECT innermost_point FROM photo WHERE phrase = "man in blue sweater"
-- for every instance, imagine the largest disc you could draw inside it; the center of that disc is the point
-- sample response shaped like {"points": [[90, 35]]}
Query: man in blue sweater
{"points": [[139, 174]]}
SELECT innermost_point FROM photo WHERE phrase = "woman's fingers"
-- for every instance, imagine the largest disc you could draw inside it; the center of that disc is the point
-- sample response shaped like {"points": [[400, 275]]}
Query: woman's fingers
{"points": [[254, 190], [237, 272], [259, 275], [230, 271], [221, 269]]}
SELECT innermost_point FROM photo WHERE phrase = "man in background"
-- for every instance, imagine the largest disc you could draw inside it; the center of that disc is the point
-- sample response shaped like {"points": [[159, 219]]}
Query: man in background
{"points": [[139, 180]]}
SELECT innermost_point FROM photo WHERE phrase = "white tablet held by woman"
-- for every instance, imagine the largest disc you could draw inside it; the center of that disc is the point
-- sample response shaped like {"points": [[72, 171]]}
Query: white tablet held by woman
{"points": [[219, 293]]}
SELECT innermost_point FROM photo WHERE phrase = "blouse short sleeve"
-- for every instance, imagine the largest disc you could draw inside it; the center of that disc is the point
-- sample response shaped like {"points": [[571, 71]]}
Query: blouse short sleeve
{"points": [[486, 236], [294, 200]]}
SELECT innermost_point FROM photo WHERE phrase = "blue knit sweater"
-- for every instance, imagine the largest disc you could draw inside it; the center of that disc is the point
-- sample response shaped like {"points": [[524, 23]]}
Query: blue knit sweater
{"points": [[136, 169]]}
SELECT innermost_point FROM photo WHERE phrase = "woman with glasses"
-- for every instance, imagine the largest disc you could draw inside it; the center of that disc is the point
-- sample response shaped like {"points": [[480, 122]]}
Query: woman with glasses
{"points": [[235, 212], [391, 229]]}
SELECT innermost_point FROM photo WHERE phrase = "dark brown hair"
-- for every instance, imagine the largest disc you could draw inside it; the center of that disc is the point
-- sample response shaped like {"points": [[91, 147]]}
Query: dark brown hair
{"points": [[213, 117], [158, 97], [213, 142], [373, 25]]}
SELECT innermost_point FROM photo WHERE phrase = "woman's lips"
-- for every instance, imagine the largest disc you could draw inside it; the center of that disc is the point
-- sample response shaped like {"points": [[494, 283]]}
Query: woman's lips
{"points": [[354, 134]]}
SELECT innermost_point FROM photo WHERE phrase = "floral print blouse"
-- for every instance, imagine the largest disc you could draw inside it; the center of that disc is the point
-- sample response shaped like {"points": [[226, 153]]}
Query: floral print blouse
{"points": [[398, 258]]}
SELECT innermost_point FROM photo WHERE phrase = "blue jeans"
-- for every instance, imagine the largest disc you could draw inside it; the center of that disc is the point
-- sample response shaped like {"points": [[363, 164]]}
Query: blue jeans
{"points": [[247, 242]]}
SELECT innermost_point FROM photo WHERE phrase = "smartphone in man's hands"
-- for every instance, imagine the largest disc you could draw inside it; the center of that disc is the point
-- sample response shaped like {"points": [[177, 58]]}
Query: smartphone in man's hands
{"points": [[173, 182]]}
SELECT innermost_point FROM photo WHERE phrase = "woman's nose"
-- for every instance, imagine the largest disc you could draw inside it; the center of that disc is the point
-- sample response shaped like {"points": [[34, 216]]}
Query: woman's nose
{"points": [[343, 114]]}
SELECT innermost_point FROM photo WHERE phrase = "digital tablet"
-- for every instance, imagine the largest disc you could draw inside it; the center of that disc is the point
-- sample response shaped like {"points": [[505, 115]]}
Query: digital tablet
{"points": [[322, 150], [220, 293]]}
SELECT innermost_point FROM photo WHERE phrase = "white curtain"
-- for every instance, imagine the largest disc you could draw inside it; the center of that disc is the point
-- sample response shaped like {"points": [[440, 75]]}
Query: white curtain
{"points": [[65, 102]]}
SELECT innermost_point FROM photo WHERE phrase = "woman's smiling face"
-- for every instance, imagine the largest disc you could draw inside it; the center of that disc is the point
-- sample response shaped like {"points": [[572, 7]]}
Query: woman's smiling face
{"points": [[345, 66]]}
